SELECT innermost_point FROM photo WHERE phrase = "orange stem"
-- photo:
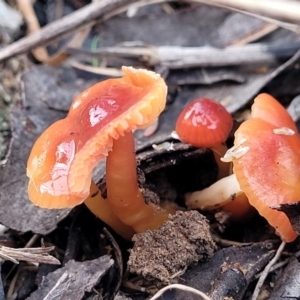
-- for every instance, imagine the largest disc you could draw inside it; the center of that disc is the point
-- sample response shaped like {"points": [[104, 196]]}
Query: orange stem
{"points": [[223, 167], [239, 208], [123, 193], [100, 208]]}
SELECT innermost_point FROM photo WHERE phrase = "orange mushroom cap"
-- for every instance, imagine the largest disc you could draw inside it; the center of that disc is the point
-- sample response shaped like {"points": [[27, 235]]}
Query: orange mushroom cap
{"points": [[268, 170], [204, 123], [62, 159], [267, 108]]}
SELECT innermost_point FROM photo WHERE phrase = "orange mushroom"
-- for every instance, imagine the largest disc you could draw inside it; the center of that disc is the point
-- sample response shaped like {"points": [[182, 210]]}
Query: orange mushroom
{"points": [[267, 108], [280, 155], [269, 172], [99, 121], [206, 123], [266, 159]]}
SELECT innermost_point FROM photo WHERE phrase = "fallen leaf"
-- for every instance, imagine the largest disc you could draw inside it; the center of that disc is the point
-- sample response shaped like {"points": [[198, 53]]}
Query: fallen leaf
{"points": [[73, 280]]}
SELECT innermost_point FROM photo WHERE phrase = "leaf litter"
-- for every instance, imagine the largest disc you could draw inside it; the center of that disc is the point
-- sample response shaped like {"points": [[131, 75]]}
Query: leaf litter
{"points": [[73, 280], [46, 96]]}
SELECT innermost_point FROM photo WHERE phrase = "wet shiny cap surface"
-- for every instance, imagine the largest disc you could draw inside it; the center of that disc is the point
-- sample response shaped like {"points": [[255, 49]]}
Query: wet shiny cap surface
{"points": [[62, 159], [269, 172], [204, 123]]}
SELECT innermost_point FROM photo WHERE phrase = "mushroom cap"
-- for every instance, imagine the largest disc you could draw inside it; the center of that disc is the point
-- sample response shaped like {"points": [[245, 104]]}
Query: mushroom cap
{"points": [[267, 108], [269, 171], [61, 162], [204, 123]]}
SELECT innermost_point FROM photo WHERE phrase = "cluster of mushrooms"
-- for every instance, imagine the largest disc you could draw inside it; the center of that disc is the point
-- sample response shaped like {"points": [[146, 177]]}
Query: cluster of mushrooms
{"points": [[99, 125], [265, 157]]}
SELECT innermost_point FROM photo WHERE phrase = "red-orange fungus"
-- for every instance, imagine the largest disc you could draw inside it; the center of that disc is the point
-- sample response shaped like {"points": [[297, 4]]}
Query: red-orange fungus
{"points": [[204, 123], [267, 108], [62, 159], [269, 172], [266, 160]]}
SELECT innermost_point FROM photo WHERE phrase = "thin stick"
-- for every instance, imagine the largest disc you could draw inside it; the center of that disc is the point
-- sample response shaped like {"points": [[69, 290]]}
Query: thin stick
{"points": [[266, 271], [26, 7], [12, 285], [279, 265], [287, 11], [111, 72], [180, 287], [279, 10], [63, 26], [32, 240], [228, 243], [240, 6], [28, 244], [33, 255], [176, 57]]}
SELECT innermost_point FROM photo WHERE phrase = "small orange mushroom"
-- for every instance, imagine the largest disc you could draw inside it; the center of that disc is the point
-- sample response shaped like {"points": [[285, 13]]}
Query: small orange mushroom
{"points": [[206, 123], [266, 159], [269, 172], [267, 108], [275, 162], [61, 162]]}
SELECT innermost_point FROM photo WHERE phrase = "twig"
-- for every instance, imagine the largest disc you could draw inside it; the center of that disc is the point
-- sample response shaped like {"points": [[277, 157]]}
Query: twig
{"points": [[33, 255], [286, 11], [26, 8], [228, 243], [174, 57], [15, 277], [32, 240], [131, 285], [65, 25], [280, 10], [267, 17], [266, 271], [279, 265], [10, 292], [13, 281], [111, 72], [264, 30], [180, 287], [76, 41]]}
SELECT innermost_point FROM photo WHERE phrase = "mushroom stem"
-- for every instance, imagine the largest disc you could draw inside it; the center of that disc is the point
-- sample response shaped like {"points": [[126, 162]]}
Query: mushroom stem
{"points": [[100, 208], [225, 193], [123, 193], [215, 195], [224, 168]]}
